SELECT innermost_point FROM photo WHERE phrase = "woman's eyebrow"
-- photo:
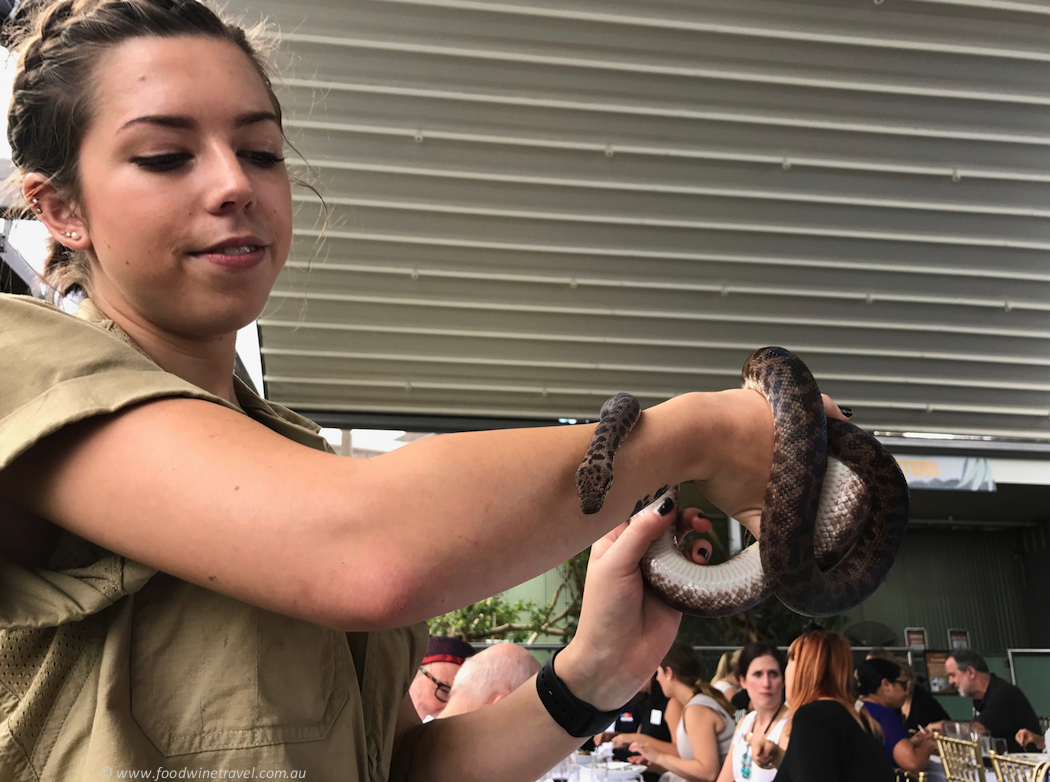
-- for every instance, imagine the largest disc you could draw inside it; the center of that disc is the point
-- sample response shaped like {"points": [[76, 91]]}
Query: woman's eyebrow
{"points": [[182, 122]]}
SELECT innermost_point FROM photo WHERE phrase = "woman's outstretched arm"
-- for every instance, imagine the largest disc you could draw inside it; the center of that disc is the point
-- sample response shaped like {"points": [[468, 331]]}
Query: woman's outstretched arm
{"points": [[208, 495]]}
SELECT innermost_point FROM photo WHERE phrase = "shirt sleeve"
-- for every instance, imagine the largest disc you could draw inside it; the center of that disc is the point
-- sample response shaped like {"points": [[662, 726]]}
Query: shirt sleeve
{"points": [[56, 369], [892, 728]]}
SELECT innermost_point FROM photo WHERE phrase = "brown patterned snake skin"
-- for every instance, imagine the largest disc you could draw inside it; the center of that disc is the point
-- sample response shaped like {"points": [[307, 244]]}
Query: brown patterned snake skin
{"points": [[833, 519]]}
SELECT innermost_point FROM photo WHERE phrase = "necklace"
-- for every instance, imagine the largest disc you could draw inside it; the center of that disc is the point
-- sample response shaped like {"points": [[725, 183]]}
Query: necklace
{"points": [[745, 758]]}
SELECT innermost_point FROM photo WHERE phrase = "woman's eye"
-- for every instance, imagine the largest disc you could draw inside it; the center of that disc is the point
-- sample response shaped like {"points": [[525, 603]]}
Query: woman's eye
{"points": [[262, 159], [166, 162]]}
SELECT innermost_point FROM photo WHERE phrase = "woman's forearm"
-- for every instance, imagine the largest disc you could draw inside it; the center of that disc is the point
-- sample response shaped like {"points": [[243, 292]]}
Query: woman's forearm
{"points": [[700, 770]]}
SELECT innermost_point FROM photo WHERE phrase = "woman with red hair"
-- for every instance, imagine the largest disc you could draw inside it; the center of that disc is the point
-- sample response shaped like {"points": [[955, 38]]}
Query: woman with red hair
{"points": [[829, 740]]}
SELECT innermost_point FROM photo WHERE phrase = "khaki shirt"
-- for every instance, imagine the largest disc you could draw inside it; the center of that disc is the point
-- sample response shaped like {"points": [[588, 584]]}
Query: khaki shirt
{"points": [[108, 667]]}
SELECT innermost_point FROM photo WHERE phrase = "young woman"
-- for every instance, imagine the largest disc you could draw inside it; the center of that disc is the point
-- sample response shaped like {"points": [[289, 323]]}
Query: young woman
{"points": [[883, 689], [760, 671], [829, 741], [705, 729], [190, 579], [725, 678]]}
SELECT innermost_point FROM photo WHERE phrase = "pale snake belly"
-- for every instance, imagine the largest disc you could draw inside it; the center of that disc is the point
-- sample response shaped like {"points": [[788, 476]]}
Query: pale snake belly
{"points": [[833, 518]]}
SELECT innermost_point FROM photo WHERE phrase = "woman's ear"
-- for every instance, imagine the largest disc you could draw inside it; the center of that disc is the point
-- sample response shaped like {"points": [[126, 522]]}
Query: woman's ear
{"points": [[56, 211]]}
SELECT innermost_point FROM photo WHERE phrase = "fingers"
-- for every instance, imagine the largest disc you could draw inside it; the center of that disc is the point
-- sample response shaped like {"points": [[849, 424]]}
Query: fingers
{"points": [[700, 551], [603, 543], [633, 538], [832, 410], [692, 520]]}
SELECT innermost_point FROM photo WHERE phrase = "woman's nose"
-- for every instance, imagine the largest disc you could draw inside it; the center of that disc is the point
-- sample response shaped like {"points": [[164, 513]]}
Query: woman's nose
{"points": [[228, 184]]}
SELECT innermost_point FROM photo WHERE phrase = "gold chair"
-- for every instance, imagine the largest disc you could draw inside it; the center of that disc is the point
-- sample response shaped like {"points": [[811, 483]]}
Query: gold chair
{"points": [[900, 775], [1009, 769], [961, 759]]}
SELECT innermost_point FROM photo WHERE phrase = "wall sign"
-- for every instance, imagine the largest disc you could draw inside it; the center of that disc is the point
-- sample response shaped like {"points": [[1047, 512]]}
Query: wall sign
{"points": [[915, 638], [957, 473], [958, 638]]}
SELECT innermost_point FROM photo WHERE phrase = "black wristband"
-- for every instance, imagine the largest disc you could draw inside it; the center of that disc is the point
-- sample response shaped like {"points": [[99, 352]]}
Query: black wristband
{"points": [[578, 718]]}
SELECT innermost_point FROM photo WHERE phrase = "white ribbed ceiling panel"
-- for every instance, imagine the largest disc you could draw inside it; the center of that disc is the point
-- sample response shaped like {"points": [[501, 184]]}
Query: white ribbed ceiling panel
{"points": [[535, 204]]}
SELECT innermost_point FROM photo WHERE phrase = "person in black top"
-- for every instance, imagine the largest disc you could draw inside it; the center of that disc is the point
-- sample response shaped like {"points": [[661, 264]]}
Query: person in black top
{"points": [[645, 714], [920, 707], [828, 745], [1002, 709], [829, 741], [923, 709]]}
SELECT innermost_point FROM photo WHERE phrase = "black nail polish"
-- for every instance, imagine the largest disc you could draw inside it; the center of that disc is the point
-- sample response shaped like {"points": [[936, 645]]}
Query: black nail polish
{"points": [[703, 552], [846, 411], [665, 506]]}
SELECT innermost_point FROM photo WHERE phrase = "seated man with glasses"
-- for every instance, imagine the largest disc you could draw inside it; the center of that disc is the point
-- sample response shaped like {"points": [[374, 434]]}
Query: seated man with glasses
{"points": [[430, 689], [883, 689]]}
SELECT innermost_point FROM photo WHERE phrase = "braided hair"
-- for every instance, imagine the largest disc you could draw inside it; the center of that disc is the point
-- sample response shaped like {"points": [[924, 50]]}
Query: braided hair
{"points": [[58, 44]]}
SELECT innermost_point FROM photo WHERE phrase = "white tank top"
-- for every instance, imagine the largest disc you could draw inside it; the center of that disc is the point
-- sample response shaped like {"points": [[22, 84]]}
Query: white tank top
{"points": [[685, 749], [742, 751]]}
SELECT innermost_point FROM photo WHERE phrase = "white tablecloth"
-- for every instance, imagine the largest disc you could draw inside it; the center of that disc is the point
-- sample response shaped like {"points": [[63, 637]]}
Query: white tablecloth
{"points": [[587, 775]]}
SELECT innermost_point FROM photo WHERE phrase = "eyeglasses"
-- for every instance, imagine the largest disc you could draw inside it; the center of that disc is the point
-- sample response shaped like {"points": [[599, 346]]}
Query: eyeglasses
{"points": [[441, 690], [902, 682]]}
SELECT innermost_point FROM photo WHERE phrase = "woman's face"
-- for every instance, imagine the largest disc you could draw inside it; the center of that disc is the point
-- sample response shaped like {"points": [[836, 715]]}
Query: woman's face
{"points": [[764, 682], [184, 195], [893, 693]]}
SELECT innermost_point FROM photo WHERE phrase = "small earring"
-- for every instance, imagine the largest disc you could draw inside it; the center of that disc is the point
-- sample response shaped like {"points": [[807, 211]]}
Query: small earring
{"points": [[74, 235], [34, 202]]}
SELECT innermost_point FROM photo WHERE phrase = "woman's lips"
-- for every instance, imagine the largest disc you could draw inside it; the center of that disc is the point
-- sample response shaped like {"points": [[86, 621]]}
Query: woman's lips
{"points": [[234, 257]]}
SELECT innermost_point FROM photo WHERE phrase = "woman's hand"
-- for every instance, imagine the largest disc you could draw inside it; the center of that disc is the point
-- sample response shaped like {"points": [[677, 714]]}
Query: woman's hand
{"points": [[626, 739], [766, 754], [624, 629], [646, 753]]}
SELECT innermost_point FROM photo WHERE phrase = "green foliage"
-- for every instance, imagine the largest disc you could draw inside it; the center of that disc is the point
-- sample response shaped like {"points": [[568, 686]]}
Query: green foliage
{"points": [[523, 620], [491, 618]]}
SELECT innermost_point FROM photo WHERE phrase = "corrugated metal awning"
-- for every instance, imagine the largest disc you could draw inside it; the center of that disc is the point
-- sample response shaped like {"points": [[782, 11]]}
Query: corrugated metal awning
{"points": [[537, 204]]}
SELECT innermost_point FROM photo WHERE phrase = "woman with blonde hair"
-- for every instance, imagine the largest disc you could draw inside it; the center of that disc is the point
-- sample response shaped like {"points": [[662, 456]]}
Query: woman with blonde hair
{"points": [[192, 580], [829, 741], [705, 730], [725, 679]]}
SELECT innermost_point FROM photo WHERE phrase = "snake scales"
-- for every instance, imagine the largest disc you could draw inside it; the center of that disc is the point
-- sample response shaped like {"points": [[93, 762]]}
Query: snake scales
{"points": [[833, 518]]}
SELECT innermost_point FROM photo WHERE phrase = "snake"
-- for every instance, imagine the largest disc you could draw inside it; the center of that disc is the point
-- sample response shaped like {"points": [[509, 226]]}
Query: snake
{"points": [[833, 517]]}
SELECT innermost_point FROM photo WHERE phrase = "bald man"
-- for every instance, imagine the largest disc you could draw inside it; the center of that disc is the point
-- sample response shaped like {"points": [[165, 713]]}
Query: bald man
{"points": [[489, 676], [432, 686]]}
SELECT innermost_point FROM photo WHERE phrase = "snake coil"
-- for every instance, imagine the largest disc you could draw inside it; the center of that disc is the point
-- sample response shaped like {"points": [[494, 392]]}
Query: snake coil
{"points": [[833, 518]]}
